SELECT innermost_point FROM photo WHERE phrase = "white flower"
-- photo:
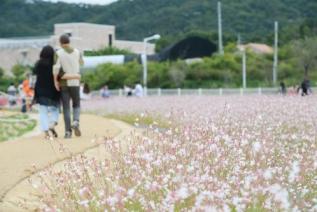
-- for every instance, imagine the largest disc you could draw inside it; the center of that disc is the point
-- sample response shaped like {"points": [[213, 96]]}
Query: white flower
{"points": [[182, 193], [280, 195], [84, 203], [236, 201], [82, 191], [35, 185], [268, 174], [256, 146], [131, 192], [101, 193], [294, 172], [112, 201]]}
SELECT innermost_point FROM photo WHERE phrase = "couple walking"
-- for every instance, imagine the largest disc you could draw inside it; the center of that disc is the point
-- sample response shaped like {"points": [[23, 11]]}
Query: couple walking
{"points": [[58, 80]]}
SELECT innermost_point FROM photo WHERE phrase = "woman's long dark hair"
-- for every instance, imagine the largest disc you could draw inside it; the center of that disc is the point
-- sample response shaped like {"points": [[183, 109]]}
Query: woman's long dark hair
{"points": [[47, 54]]}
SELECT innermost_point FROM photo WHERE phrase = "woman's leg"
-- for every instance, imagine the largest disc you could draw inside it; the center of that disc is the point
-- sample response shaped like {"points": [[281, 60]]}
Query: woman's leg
{"points": [[54, 113], [53, 119], [44, 119]]}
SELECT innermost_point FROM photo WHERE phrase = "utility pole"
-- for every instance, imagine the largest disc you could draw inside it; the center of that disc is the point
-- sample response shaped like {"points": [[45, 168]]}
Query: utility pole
{"points": [[275, 63], [220, 44], [244, 68], [238, 40], [144, 59]]}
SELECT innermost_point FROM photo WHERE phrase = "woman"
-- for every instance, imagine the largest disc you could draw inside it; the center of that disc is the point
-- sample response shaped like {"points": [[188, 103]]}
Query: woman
{"points": [[46, 94]]}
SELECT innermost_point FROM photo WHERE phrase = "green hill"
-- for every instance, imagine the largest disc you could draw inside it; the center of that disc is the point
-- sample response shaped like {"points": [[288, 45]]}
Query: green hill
{"points": [[136, 19]]}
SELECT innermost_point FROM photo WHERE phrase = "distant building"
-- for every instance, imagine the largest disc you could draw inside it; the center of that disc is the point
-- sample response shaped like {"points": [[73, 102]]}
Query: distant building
{"points": [[258, 48], [84, 36]]}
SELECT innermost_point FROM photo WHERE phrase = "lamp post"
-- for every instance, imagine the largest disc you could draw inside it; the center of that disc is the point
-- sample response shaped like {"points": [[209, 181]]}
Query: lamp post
{"points": [[145, 40]]}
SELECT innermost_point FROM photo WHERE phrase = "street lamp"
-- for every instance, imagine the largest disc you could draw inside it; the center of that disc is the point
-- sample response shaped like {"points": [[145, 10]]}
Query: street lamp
{"points": [[145, 40]]}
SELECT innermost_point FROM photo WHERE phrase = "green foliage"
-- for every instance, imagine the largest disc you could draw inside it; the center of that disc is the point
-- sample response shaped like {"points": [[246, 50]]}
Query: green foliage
{"points": [[143, 121], [4, 81], [9, 129], [177, 73], [212, 72], [253, 19], [115, 76], [185, 204], [307, 28], [1, 73], [158, 75], [19, 72], [4, 84], [107, 51], [305, 52]]}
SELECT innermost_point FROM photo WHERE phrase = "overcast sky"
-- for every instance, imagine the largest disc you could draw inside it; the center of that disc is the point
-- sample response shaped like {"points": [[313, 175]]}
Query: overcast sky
{"points": [[85, 1]]}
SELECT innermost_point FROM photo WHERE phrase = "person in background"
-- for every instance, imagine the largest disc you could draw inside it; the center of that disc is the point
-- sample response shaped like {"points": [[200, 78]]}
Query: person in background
{"points": [[292, 90], [127, 91], [104, 92], [283, 90], [305, 86], [20, 90], [23, 107], [138, 90], [28, 92], [84, 92], [12, 92]]}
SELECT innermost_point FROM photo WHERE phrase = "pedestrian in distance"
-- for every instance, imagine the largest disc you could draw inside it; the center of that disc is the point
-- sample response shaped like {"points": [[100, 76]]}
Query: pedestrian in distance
{"points": [[104, 92], [283, 89], [305, 87], [12, 95]]}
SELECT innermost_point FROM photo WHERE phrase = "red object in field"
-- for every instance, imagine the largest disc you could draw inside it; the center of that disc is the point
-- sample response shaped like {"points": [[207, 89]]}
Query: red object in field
{"points": [[26, 88], [3, 99]]}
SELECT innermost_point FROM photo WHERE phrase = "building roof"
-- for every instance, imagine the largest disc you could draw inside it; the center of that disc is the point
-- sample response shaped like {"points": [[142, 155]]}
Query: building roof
{"points": [[83, 24], [191, 47], [24, 42], [258, 48]]}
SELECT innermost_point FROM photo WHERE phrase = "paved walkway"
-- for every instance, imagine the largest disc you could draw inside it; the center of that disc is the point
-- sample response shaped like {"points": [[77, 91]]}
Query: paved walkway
{"points": [[17, 157]]}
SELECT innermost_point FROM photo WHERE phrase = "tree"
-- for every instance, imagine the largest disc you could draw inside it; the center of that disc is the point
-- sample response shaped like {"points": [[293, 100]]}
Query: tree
{"points": [[108, 51], [305, 52], [19, 72], [1, 73], [177, 73]]}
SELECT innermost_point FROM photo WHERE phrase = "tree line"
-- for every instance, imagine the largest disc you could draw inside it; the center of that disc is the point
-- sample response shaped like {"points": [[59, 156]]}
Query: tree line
{"points": [[252, 19]]}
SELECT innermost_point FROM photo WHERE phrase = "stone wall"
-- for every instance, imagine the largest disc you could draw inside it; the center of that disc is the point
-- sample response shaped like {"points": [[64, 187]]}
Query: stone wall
{"points": [[85, 36], [11, 57], [135, 46]]}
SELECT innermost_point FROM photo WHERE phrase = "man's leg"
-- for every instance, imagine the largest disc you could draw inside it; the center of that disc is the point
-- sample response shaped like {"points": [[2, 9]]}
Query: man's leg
{"points": [[75, 96], [65, 94]]}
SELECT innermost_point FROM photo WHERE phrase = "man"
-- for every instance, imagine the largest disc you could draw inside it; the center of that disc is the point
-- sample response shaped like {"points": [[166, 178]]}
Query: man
{"points": [[68, 61], [12, 91]]}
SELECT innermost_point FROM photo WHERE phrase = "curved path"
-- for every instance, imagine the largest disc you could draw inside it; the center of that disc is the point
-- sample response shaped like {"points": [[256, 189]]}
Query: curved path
{"points": [[19, 157]]}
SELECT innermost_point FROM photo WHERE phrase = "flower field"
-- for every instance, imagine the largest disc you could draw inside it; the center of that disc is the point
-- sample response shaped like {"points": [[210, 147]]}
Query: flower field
{"points": [[255, 153], [15, 125]]}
